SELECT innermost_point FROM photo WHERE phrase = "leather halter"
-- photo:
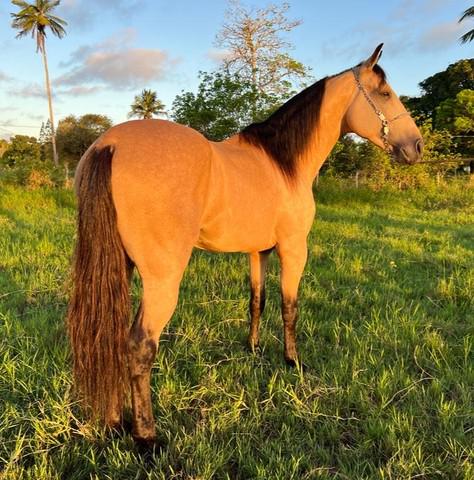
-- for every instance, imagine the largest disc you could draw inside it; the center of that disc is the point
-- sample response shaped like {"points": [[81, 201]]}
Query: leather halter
{"points": [[385, 130]]}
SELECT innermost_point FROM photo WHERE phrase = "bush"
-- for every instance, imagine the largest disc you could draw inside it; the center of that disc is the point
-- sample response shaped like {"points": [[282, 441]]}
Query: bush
{"points": [[375, 168], [23, 163]]}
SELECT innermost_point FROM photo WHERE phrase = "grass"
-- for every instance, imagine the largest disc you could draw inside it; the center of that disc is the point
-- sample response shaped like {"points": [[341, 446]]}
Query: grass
{"points": [[386, 328]]}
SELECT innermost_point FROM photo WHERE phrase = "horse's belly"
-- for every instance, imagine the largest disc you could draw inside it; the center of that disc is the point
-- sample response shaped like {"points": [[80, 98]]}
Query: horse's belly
{"points": [[230, 233]]}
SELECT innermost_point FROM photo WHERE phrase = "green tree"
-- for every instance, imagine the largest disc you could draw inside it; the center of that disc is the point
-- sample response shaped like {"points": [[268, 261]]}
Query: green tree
{"points": [[457, 116], [44, 139], [222, 106], [76, 134], [35, 18], [440, 87], [256, 50], [344, 160], [468, 36], [146, 105], [21, 150]]}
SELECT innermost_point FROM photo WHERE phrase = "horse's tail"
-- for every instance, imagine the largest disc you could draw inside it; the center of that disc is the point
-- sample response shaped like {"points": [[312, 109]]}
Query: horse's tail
{"points": [[99, 309]]}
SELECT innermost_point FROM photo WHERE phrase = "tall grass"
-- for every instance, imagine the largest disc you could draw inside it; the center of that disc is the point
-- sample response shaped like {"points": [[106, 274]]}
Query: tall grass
{"points": [[386, 330]]}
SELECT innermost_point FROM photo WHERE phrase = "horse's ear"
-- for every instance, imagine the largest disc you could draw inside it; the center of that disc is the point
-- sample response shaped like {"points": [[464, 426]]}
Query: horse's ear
{"points": [[374, 58]]}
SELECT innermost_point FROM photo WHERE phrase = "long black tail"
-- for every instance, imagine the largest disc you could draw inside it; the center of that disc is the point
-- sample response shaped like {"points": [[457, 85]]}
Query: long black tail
{"points": [[99, 309]]}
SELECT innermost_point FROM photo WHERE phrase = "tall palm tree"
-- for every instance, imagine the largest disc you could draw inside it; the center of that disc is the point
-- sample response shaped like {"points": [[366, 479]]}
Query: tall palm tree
{"points": [[36, 18], [469, 36], [146, 105]]}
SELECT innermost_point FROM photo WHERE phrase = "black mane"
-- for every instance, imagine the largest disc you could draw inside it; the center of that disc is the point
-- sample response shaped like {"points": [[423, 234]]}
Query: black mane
{"points": [[285, 134]]}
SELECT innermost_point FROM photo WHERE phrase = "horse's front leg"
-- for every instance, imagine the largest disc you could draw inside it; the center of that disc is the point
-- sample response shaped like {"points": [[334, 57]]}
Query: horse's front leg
{"points": [[293, 257], [258, 265]]}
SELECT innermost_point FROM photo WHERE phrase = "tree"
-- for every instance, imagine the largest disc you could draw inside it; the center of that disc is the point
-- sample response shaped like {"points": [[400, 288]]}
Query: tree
{"points": [[75, 135], [223, 105], [146, 105], [457, 116], [344, 159], [35, 18], [44, 139], [257, 52], [440, 87], [21, 150], [468, 36]]}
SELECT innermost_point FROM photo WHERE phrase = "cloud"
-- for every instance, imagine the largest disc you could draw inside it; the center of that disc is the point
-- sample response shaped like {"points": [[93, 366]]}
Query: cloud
{"points": [[441, 36], [408, 26], [115, 63], [30, 90], [83, 14], [218, 55], [9, 108], [80, 90], [4, 77], [409, 10]]}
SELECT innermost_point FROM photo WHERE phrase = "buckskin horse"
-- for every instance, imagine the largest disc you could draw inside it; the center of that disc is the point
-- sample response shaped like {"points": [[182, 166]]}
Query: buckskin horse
{"points": [[150, 191]]}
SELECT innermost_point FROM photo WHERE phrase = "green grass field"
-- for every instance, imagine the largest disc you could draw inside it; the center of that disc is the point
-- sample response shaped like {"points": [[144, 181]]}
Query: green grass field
{"points": [[386, 329]]}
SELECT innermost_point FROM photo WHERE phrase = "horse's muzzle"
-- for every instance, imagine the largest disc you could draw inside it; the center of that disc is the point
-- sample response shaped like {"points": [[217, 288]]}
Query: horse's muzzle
{"points": [[410, 153]]}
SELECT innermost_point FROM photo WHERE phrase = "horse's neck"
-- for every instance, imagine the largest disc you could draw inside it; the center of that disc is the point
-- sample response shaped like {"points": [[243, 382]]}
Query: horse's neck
{"points": [[337, 99]]}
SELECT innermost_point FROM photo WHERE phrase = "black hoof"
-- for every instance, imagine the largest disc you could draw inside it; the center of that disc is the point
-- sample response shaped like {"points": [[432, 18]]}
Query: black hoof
{"points": [[122, 428], [296, 364], [147, 446]]}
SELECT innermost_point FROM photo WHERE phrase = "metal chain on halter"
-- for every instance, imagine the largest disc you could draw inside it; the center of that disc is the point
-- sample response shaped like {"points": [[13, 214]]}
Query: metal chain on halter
{"points": [[385, 128]]}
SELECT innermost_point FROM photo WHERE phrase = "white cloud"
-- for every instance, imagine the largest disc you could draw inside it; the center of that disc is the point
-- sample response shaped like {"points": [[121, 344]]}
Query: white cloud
{"points": [[4, 77], [218, 55], [80, 90], [83, 14], [441, 36], [115, 63], [30, 90]]}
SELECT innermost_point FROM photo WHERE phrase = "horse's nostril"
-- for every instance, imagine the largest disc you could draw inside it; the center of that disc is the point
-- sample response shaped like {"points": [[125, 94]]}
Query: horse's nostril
{"points": [[419, 146]]}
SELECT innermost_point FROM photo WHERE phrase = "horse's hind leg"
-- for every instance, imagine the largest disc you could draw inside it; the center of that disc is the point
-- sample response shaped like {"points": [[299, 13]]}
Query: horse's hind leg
{"points": [[160, 295], [258, 265]]}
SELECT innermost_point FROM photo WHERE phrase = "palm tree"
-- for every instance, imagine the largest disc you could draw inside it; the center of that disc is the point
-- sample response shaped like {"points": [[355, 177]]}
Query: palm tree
{"points": [[35, 18], [469, 36], [146, 105]]}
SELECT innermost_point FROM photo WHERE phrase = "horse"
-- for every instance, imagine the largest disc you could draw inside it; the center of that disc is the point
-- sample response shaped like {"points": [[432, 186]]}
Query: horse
{"points": [[150, 191]]}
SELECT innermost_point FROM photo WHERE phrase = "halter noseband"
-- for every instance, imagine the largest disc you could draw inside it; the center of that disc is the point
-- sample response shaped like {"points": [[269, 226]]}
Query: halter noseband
{"points": [[385, 130]]}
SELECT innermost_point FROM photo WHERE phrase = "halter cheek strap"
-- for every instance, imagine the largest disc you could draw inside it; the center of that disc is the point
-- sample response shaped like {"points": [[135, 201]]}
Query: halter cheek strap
{"points": [[385, 130]]}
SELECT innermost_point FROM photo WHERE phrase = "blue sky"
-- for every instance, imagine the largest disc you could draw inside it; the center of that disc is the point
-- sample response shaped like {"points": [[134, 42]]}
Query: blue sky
{"points": [[115, 48]]}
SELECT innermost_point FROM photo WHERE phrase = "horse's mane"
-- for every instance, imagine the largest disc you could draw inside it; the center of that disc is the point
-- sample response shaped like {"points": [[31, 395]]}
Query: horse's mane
{"points": [[285, 134]]}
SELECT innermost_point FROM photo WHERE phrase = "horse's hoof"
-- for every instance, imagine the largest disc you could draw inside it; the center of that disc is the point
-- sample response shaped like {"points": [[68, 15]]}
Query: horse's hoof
{"points": [[255, 350], [147, 446], [296, 364], [254, 347]]}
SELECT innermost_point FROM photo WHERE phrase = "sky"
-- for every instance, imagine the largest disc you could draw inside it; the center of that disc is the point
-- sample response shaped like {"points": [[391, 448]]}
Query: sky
{"points": [[116, 48]]}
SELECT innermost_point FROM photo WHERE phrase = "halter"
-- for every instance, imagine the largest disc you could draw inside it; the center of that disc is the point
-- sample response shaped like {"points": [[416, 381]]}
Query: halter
{"points": [[385, 130]]}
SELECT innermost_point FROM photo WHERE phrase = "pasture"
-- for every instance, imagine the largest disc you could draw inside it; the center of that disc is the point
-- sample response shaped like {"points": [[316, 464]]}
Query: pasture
{"points": [[386, 329]]}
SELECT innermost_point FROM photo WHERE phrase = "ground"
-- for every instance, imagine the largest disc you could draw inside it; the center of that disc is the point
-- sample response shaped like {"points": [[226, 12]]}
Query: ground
{"points": [[386, 331]]}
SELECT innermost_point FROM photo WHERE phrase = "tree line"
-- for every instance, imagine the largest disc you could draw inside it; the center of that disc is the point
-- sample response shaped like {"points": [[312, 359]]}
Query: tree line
{"points": [[256, 75]]}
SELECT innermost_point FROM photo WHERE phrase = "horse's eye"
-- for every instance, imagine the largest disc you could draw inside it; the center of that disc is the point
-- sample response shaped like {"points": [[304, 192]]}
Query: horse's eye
{"points": [[386, 94]]}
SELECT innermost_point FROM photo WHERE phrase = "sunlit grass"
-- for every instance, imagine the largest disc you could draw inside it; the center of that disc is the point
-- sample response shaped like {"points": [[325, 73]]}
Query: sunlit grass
{"points": [[386, 330]]}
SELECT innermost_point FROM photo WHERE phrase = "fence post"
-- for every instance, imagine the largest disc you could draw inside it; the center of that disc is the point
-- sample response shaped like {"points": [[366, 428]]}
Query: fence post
{"points": [[357, 179]]}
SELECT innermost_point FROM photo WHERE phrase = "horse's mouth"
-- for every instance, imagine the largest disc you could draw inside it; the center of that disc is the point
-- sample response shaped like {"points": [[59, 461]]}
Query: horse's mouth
{"points": [[408, 154]]}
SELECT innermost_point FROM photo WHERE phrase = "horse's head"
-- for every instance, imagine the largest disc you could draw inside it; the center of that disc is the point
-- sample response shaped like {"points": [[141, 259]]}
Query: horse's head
{"points": [[377, 114]]}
